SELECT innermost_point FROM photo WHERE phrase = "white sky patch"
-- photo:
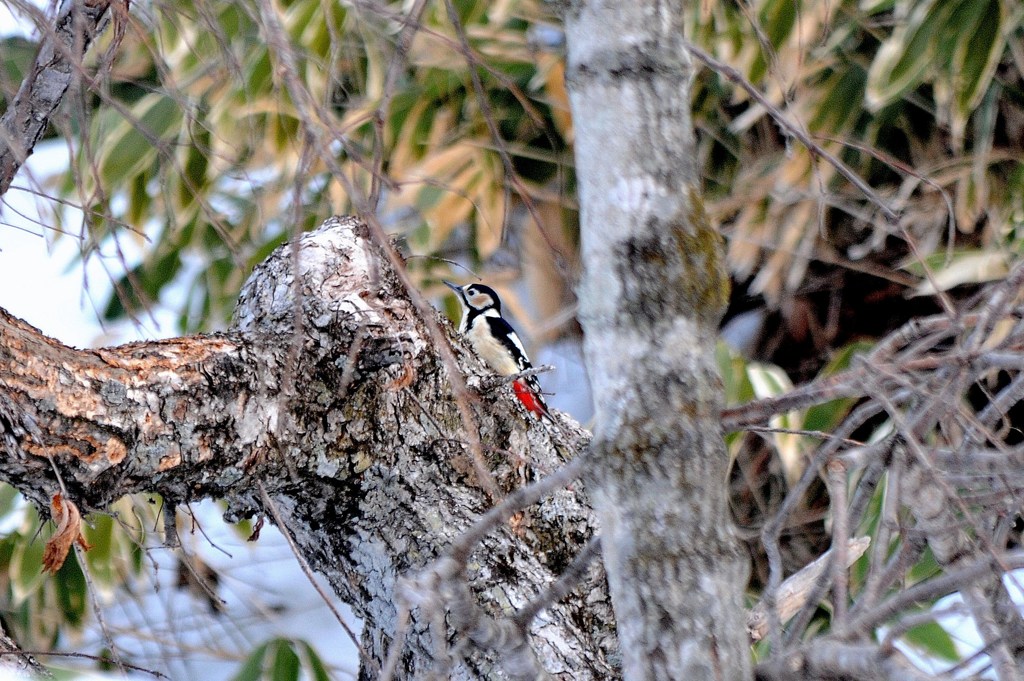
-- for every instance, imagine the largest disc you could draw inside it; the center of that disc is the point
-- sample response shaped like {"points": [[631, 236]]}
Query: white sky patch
{"points": [[16, 24], [42, 279]]}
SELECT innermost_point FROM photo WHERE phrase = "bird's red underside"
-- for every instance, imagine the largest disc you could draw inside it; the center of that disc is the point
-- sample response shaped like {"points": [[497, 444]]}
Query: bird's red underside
{"points": [[528, 397]]}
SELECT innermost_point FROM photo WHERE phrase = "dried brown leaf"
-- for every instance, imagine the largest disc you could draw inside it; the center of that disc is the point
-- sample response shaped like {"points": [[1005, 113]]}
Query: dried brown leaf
{"points": [[69, 530]]}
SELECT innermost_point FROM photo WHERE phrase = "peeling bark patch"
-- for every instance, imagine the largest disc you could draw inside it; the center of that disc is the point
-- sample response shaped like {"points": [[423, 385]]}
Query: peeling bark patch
{"points": [[55, 452], [169, 461], [115, 450], [82, 446]]}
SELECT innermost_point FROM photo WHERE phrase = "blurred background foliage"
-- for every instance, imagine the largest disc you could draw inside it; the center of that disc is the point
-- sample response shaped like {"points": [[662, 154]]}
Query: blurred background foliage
{"points": [[188, 145]]}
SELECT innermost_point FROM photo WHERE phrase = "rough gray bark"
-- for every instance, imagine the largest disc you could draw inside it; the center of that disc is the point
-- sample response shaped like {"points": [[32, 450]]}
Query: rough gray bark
{"points": [[15, 664], [43, 88], [349, 426], [652, 294]]}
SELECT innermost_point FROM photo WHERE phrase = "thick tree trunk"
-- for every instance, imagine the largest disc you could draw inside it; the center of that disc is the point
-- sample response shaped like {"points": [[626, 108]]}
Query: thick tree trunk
{"points": [[652, 294], [327, 394]]}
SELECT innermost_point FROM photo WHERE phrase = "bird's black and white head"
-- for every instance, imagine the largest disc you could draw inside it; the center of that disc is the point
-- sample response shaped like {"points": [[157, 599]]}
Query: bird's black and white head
{"points": [[476, 298], [477, 301]]}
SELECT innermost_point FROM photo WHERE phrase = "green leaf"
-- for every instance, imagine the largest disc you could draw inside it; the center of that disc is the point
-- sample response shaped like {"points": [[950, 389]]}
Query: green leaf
{"points": [[252, 668], [9, 498], [106, 661], [193, 180], [259, 73], [71, 590], [828, 415], [924, 568], [838, 110], [285, 666], [132, 144], [903, 59], [283, 659], [102, 534], [27, 559], [724, 359], [137, 557], [777, 18], [933, 640], [139, 201], [313, 664], [142, 285], [976, 57], [868, 526], [16, 56]]}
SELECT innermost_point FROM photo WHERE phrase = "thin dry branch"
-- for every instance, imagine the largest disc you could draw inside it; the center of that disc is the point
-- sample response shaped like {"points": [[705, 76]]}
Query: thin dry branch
{"points": [[365, 661], [924, 592], [410, 25], [565, 583], [854, 662], [958, 498], [441, 591], [797, 589]]}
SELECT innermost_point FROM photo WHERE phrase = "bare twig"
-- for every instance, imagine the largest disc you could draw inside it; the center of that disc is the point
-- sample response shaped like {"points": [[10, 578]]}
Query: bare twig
{"points": [[925, 592], [98, 611], [86, 656], [794, 592], [282, 526], [410, 24], [836, 475], [561, 588]]}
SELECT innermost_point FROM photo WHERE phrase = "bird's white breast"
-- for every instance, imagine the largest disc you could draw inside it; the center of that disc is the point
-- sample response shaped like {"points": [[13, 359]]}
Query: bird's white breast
{"points": [[489, 349]]}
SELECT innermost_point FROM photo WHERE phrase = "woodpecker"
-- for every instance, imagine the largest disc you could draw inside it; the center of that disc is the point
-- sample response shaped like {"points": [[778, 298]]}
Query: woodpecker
{"points": [[497, 343]]}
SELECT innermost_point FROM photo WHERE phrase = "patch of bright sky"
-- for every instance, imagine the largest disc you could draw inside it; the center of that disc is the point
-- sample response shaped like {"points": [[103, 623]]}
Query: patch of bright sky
{"points": [[42, 277], [15, 24]]}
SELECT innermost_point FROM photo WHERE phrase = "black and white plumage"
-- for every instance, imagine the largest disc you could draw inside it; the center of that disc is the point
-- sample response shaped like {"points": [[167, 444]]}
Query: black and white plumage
{"points": [[496, 342]]}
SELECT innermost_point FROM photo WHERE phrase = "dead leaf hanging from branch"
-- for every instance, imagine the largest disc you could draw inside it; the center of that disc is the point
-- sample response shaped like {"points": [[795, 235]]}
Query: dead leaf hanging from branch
{"points": [[69, 530]]}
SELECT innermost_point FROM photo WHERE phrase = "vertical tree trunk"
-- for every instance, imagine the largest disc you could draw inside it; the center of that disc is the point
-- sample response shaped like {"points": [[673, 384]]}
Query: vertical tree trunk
{"points": [[652, 294]]}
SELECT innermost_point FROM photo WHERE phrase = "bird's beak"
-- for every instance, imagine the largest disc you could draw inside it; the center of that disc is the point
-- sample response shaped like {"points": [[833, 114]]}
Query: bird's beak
{"points": [[454, 287]]}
